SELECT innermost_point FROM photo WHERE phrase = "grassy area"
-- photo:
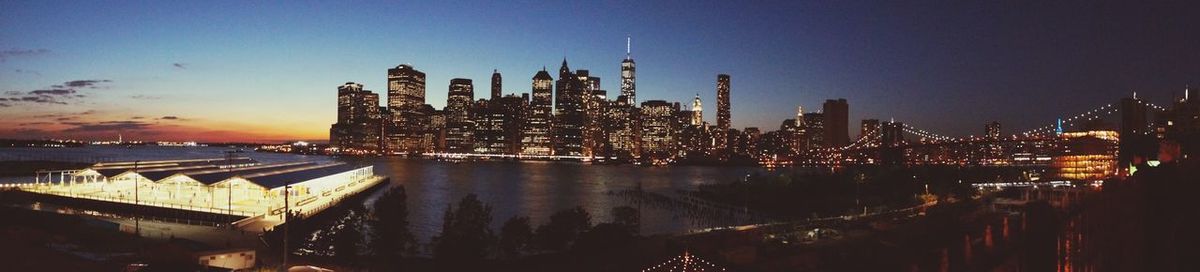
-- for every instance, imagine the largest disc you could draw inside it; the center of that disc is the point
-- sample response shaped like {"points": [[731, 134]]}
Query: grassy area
{"points": [[28, 168]]}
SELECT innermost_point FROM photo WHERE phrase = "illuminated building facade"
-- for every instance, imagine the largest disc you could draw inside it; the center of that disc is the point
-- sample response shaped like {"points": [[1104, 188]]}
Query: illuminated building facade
{"points": [[591, 97], [231, 186], [659, 120], [723, 117], [814, 130], [358, 119], [628, 78], [992, 130], [497, 85], [697, 112], [460, 125], [536, 138], [406, 99], [498, 125], [1086, 155], [569, 115], [622, 126]]}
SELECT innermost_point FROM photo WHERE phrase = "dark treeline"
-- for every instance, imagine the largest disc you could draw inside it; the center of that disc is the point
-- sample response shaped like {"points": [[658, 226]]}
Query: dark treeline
{"points": [[803, 194], [379, 239]]}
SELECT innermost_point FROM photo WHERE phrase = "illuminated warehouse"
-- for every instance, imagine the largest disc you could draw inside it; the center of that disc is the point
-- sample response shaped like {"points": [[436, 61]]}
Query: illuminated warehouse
{"points": [[1087, 155], [235, 186]]}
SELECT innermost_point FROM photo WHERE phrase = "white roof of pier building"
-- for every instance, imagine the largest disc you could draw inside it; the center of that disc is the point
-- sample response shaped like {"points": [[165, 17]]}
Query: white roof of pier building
{"points": [[114, 169], [212, 172]]}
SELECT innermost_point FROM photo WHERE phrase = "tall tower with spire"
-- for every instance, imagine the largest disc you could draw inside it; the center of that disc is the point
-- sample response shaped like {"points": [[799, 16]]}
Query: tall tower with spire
{"points": [[697, 112], [628, 77]]}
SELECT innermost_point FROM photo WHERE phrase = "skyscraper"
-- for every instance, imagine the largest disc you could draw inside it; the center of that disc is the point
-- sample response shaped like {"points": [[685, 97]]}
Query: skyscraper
{"points": [[536, 138], [837, 122], [697, 112], [459, 121], [723, 125], [406, 98], [658, 129], [992, 130], [622, 126], [1135, 137], [569, 115], [592, 95], [628, 77], [814, 130], [496, 85], [358, 119]]}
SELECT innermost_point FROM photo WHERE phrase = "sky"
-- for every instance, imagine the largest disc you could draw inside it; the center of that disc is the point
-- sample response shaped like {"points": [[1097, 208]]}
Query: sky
{"points": [[255, 71]]}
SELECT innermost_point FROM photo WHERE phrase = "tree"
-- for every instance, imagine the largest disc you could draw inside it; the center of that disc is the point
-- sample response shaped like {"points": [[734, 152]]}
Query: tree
{"points": [[465, 237], [515, 236], [563, 228], [628, 217], [391, 238], [348, 239]]}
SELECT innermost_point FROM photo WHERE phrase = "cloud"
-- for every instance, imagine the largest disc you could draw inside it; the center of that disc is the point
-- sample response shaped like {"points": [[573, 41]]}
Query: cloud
{"points": [[179, 65], [34, 123], [172, 117], [85, 83], [22, 71], [52, 92], [5, 105], [40, 99], [3, 99], [136, 117], [106, 126], [57, 94], [147, 97], [17, 52]]}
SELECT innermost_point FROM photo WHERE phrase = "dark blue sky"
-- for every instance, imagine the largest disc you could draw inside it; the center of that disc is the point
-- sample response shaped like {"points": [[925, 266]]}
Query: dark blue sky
{"points": [[946, 66]]}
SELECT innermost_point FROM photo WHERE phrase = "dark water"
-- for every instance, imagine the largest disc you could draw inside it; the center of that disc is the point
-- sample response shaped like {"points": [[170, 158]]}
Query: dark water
{"points": [[533, 189]]}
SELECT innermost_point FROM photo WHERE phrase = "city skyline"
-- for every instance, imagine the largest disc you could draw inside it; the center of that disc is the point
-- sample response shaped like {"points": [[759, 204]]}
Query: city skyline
{"points": [[148, 79]]}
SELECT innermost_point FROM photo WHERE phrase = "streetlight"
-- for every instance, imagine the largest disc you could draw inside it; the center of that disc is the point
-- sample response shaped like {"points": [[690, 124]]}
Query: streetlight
{"points": [[286, 226], [137, 223], [229, 186]]}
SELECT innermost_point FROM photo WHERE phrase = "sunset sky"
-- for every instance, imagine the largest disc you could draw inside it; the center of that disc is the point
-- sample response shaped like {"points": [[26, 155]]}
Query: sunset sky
{"points": [[248, 71]]}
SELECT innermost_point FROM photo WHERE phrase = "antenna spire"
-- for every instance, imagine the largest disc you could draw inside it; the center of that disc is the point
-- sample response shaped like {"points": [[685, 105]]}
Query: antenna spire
{"points": [[627, 44]]}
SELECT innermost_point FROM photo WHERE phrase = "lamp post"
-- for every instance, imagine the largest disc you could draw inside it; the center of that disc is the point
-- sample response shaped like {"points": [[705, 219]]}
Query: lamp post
{"points": [[137, 223], [229, 187], [286, 226]]}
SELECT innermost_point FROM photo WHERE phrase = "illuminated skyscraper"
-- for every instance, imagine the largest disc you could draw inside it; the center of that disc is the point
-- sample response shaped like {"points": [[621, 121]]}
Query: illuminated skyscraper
{"points": [[837, 122], [496, 85], [658, 129], [358, 119], [628, 77], [406, 98], [569, 115], [536, 138], [992, 130], [723, 122], [622, 126], [697, 112], [814, 130], [592, 96], [459, 122]]}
